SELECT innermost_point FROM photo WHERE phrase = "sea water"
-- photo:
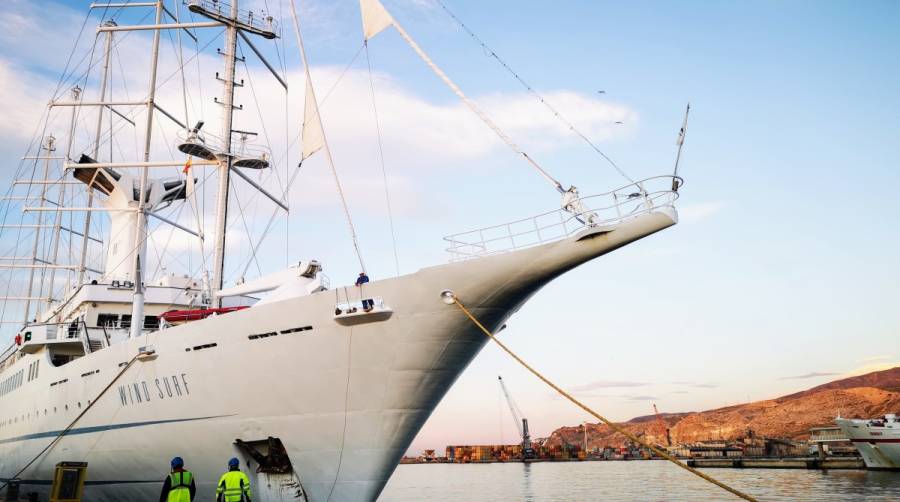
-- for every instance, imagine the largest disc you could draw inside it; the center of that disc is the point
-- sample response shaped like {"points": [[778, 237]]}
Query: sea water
{"points": [[634, 480]]}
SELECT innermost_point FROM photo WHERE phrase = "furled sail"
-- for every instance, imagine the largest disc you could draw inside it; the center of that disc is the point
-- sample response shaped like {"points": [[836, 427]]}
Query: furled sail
{"points": [[313, 135], [375, 18]]}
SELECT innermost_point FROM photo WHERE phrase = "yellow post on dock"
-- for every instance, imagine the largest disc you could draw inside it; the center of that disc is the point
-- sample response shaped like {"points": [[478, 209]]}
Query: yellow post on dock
{"points": [[68, 482]]}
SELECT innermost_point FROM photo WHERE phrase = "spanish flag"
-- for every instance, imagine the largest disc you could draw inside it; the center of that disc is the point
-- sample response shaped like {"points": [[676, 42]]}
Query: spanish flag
{"points": [[189, 183]]}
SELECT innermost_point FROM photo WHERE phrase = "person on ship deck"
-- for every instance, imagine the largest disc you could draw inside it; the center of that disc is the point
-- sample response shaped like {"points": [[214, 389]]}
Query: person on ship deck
{"points": [[367, 303]]}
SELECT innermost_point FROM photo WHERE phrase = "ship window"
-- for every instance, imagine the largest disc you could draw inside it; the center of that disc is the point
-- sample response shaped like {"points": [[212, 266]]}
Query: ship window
{"points": [[126, 321], [262, 335], [295, 330], [107, 320], [207, 346], [61, 359], [151, 322]]}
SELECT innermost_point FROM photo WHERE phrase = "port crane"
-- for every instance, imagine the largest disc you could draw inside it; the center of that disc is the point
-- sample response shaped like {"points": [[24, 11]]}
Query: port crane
{"points": [[521, 422], [662, 426]]}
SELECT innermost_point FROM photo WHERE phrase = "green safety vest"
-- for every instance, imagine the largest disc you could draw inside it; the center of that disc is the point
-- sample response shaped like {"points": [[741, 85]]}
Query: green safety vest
{"points": [[234, 485], [180, 486]]}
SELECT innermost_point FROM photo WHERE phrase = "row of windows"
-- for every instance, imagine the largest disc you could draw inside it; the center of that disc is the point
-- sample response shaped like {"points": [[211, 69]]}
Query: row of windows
{"points": [[283, 332], [35, 415], [12, 383], [16, 380], [115, 321], [33, 370]]}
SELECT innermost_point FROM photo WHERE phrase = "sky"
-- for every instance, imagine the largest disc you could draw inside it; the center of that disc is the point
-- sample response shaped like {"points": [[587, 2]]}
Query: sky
{"points": [[782, 273]]}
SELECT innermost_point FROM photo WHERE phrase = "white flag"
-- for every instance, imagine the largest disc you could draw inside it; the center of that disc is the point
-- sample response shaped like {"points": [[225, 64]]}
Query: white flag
{"points": [[313, 135], [375, 18], [680, 137]]}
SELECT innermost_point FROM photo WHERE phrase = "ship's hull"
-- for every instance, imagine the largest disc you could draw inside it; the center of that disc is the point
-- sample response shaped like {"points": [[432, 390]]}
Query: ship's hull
{"points": [[345, 401], [879, 445]]}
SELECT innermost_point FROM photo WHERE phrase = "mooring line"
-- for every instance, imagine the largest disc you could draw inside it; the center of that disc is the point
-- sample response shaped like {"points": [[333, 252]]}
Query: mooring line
{"points": [[603, 419], [71, 425]]}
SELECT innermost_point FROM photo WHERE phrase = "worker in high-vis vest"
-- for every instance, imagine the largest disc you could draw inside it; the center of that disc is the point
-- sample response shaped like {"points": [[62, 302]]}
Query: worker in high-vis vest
{"points": [[234, 485], [179, 485]]}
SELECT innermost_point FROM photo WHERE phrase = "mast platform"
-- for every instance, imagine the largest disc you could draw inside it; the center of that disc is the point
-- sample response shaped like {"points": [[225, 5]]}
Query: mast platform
{"points": [[261, 24]]}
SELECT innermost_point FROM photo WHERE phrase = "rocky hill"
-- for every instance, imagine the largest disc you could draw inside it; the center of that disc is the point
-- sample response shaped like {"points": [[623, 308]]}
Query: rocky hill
{"points": [[788, 416]]}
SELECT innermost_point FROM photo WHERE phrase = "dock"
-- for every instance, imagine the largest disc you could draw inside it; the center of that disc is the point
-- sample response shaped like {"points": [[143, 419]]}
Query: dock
{"points": [[778, 463]]}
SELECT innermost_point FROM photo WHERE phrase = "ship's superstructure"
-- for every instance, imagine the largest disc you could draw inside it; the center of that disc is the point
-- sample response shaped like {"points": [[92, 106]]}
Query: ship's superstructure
{"points": [[319, 390], [877, 439]]}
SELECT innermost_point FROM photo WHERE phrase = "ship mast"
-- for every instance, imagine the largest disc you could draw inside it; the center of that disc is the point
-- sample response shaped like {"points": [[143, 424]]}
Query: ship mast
{"points": [[225, 163], [50, 148], [220, 14], [107, 50], [137, 307]]}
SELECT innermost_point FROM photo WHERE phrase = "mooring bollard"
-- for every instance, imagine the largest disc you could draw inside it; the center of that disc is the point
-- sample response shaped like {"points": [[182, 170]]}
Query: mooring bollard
{"points": [[12, 491]]}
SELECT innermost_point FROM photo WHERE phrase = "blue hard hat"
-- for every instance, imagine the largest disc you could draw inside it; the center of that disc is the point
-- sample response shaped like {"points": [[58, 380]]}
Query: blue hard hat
{"points": [[177, 462], [234, 462]]}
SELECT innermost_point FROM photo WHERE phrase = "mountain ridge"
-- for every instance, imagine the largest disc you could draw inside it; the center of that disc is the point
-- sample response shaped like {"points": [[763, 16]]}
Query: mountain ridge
{"points": [[789, 416]]}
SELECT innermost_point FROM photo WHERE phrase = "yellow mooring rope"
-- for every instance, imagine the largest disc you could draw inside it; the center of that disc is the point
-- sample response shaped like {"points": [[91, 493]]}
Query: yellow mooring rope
{"points": [[584, 407]]}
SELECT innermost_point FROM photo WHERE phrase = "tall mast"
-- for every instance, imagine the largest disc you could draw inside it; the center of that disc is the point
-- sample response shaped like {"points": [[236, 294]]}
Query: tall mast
{"points": [[57, 225], [86, 231], [137, 309], [38, 229], [231, 33]]}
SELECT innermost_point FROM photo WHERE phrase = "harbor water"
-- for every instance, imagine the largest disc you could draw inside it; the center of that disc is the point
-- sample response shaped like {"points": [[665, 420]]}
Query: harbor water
{"points": [[639, 480]]}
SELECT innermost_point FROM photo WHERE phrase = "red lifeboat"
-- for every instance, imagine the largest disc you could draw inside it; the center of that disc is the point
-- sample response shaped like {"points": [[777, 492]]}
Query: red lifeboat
{"points": [[182, 316]]}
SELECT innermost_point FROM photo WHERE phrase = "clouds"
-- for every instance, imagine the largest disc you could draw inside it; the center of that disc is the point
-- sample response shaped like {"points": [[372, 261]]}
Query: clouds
{"points": [[808, 375], [701, 385], [23, 101], [641, 398], [425, 134], [618, 389], [606, 384]]}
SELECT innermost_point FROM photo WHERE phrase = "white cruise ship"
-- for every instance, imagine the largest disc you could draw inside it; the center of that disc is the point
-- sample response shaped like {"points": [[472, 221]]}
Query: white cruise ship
{"points": [[877, 439], [318, 389]]}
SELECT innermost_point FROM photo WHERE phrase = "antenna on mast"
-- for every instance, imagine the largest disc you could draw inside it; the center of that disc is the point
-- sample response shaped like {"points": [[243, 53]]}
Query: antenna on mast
{"points": [[681, 134]]}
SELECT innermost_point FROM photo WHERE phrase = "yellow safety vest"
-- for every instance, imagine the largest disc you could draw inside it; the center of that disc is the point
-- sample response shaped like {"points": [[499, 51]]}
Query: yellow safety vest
{"points": [[180, 486], [235, 485]]}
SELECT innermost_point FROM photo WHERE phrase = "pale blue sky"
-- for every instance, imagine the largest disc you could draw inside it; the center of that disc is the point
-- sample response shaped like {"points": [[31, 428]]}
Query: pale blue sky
{"points": [[785, 263]]}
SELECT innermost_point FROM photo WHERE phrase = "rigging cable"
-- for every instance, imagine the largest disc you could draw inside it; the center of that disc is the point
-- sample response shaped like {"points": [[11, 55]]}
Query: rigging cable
{"points": [[531, 90], [286, 194], [469, 103], [311, 95], [596, 415], [240, 208], [387, 194]]}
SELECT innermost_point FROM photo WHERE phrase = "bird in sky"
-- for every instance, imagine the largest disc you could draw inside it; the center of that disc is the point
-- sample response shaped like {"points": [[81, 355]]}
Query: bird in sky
{"points": [[601, 92], [619, 122]]}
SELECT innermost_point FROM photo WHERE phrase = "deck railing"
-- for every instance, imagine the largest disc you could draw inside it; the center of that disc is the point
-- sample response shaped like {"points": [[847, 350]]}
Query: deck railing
{"points": [[592, 211]]}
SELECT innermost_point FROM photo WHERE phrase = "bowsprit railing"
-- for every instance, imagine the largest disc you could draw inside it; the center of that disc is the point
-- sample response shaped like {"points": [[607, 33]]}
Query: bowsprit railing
{"points": [[591, 211]]}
